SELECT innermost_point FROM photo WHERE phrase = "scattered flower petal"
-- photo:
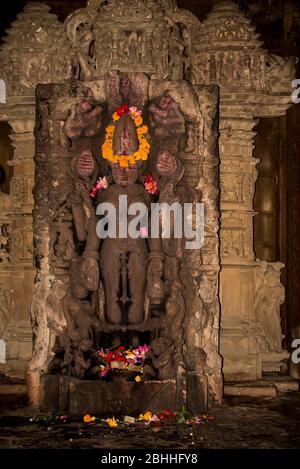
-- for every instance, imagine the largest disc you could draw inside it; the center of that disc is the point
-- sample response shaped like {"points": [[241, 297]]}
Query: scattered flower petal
{"points": [[112, 422]]}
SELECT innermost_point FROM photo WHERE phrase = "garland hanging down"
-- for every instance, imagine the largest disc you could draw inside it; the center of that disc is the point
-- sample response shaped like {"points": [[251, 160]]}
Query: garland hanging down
{"points": [[144, 146]]}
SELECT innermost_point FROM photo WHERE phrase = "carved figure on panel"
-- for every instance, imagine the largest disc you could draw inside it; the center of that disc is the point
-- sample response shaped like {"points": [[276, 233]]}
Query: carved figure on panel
{"points": [[270, 295]]}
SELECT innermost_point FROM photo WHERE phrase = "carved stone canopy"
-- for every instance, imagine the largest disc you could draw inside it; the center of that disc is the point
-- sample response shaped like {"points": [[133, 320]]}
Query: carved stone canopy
{"points": [[35, 51], [141, 36]]}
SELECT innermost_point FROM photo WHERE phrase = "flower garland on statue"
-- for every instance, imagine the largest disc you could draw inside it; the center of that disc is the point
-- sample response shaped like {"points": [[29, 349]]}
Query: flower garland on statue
{"points": [[144, 146]]}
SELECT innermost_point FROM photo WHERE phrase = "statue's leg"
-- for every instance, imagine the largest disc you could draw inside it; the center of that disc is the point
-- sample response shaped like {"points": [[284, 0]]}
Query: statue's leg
{"points": [[137, 273], [110, 270]]}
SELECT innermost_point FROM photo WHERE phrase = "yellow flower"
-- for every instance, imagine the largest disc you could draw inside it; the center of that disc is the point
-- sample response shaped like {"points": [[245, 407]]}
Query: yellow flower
{"points": [[142, 130], [110, 129], [88, 419], [112, 422], [123, 161], [147, 416], [131, 160], [144, 156], [138, 379], [138, 121]]}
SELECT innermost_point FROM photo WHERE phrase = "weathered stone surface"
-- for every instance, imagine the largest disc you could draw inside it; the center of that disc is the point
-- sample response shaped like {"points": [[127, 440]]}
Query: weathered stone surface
{"points": [[251, 389], [79, 397], [191, 302], [282, 383]]}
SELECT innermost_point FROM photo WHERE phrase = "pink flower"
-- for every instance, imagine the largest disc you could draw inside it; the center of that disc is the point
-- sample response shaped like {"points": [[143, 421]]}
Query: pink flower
{"points": [[144, 232], [100, 185], [155, 418], [141, 351], [133, 109]]}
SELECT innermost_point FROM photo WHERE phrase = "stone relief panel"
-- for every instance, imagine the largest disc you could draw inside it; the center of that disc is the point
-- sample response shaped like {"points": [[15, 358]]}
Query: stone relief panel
{"points": [[45, 56], [237, 183], [269, 296], [5, 245], [229, 53], [237, 237], [137, 36], [21, 245], [5, 202]]}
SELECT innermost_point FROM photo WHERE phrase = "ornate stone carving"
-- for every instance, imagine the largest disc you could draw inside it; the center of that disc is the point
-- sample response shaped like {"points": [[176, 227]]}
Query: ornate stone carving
{"points": [[269, 296], [4, 245], [162, 268], [5, 202], [280, 72], [44, 55], [252, 84], [237, 237], [21, 246], [168, 44], [137, 36], [230, 54]]}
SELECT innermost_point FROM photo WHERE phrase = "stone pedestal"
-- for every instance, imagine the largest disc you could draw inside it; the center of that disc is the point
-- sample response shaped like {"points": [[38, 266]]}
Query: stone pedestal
{"points": [[119, 397]]}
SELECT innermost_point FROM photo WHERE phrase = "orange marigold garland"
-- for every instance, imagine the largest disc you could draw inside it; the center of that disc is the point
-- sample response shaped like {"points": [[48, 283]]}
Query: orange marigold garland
{"points": [[144, 146]]}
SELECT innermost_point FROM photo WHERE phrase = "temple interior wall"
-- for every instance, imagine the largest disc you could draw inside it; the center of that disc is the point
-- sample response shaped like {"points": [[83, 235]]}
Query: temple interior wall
{"points": [[244, 346]]}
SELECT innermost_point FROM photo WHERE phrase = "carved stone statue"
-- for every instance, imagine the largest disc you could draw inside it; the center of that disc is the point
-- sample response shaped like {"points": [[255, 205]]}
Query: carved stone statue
{"points": [[81, 321], [280, 72], [137, 274], [125, 274], [270, 295]]}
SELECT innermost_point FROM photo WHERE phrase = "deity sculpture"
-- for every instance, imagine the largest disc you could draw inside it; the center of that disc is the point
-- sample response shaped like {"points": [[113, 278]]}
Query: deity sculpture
{"points": [[137, 274], [124, 276]]}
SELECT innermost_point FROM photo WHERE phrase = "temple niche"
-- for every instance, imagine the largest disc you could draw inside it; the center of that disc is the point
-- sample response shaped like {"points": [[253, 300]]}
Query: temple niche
{"points": [[109, 133], [199, 89]]}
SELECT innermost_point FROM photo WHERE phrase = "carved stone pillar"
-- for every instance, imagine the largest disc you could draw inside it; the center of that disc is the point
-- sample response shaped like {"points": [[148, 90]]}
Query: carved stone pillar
{"points": [[35, 50], [19, 334], [252, 84], [4, 271], [238, 176]]}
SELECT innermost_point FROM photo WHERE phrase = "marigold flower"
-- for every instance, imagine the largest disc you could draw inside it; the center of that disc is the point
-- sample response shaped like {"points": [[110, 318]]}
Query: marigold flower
{"points": [[110, 129], [112, 422], [138, 121], [88, 419], [142, 130], [144, 145], [123, 162]]}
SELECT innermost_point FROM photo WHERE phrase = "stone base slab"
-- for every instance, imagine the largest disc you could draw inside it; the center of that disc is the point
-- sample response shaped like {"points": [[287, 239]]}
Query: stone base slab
{"points": [[268, 386], [12, 387], [250, 389], [77, 398], [283, 383]]}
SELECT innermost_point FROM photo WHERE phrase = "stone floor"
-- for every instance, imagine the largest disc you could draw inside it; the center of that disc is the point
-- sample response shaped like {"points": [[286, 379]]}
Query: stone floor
{"points": [[242, 422]]}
